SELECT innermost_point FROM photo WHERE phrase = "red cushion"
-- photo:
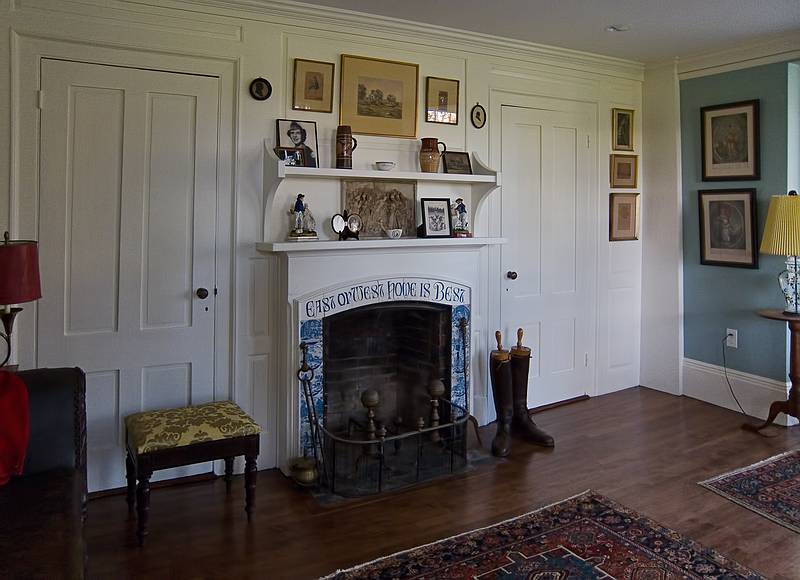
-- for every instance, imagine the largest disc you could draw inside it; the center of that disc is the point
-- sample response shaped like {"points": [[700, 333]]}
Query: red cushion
{"points": [[14, 428]]}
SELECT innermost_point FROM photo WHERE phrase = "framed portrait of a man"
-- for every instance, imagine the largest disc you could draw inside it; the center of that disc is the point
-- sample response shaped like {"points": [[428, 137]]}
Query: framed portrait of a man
{"points": [[730, 141], [728, 227], [299, 135], [622, 129], [313, 86]]}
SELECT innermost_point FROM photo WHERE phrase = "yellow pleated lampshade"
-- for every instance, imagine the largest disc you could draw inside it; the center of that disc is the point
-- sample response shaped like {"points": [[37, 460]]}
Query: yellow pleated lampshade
{"points": [[782, 231]]}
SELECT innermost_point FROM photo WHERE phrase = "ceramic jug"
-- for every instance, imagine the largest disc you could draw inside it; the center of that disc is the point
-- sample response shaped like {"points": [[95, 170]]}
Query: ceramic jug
{"points": [[429, 154], [345, 145]]}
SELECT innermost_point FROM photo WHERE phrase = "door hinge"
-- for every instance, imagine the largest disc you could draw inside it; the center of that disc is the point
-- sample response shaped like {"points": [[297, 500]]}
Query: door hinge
{"points": [[588, 141], [586, 359], [215, 291], [40, 100]]}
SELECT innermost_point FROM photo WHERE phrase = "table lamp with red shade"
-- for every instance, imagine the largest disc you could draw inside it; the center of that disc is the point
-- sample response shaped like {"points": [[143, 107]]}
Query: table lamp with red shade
{"points": [[19, 282]]}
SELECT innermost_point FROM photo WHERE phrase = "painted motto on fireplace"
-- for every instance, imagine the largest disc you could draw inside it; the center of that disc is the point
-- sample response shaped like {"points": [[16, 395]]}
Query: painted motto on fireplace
{"points": [[314, 309]]}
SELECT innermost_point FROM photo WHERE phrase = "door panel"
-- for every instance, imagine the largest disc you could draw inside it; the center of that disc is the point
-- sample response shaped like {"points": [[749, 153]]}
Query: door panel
{"points": [[127, 223], [547, 175]]}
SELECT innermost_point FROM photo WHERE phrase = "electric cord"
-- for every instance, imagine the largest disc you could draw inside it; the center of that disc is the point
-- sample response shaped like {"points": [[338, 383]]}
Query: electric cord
{"points": [[727, 379]]}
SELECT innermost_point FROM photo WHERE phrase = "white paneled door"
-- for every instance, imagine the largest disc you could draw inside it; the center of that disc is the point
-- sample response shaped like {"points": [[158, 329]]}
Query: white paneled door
{"points": [[549, 263], [126, 231]]}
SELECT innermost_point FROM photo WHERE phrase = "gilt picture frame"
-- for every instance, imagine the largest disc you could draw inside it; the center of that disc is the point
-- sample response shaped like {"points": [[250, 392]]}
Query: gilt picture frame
{"points": [[728, 225], [623, 217], [624, 170], [729, 138], [313, 86], [622, 129], [378, 97], [441, 101]]}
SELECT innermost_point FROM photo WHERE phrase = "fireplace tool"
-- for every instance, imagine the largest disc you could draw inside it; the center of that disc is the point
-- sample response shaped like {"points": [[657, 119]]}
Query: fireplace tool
{"points": [[306, 375]]}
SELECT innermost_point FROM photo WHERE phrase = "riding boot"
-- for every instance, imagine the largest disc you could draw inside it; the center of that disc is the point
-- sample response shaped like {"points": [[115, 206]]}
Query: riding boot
{"points": [[500, 372], [522, 424]]}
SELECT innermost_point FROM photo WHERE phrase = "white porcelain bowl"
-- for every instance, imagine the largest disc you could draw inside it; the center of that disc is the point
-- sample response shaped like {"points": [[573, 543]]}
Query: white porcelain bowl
{"points": [[384, 165], [394, 233]]}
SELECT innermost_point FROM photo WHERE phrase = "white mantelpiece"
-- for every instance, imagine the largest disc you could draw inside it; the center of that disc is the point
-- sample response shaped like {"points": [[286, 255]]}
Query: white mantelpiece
{"points": [[312, 272]]}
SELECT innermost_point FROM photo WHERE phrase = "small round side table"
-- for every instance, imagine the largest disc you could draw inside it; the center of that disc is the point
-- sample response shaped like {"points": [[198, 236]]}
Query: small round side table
{"points": [[791, 406]]}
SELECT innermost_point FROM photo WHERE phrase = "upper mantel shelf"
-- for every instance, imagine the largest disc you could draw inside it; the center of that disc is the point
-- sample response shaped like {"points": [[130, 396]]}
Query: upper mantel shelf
{"points": [[318, 172], [425, 244]]}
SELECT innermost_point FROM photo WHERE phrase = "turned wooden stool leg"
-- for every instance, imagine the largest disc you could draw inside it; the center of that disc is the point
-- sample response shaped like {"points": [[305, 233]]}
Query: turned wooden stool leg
{"points": [[130, 474], [143, 505], [250, 475], [228, 473]]}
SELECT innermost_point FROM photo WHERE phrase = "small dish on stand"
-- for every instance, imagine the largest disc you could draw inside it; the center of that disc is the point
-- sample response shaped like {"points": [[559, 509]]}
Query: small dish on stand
{"points": [[384, 165]]}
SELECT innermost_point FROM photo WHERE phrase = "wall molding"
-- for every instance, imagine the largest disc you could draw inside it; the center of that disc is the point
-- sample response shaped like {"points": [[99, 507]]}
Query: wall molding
{"points": [[706, 382], [326, 18], [776, 49]]}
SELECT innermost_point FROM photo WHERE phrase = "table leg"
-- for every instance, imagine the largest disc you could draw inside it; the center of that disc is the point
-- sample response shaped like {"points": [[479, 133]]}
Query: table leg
{"points": [[250, 475], [791, 406], [228, 473], [143, 505], [130, 474]]}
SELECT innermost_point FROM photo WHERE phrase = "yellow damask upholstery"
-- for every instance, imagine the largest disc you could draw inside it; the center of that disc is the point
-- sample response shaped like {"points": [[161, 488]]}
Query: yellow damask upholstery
{"points": [[153, 430]]}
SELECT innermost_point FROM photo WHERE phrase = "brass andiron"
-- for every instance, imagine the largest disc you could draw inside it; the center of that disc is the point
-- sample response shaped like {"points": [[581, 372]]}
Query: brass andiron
{"points": [[435, 390], [370, 399]]}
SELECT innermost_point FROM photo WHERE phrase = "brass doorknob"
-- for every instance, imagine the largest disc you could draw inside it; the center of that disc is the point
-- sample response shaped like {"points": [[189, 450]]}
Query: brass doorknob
{"points": [[511, 275], [202, 293]]}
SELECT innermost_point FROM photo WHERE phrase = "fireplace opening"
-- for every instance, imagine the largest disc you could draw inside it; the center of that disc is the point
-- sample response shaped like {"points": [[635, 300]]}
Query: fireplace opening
{"points": [[387, 413]]}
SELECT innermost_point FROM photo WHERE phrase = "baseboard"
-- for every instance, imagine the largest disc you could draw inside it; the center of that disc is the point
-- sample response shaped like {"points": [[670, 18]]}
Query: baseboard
{"points": [[706, 382]]}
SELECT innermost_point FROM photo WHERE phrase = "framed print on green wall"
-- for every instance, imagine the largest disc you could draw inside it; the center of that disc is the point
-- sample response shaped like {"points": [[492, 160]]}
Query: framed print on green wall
{"points": [[730, 141], [728, 227]]}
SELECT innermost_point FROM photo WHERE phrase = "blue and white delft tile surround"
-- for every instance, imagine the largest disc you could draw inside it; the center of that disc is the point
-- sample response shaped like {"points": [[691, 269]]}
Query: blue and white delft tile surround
{"points": [[394, 289]]}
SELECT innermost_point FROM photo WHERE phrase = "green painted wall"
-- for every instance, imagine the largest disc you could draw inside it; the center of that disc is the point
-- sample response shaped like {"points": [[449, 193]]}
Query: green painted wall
{"points": [[716, 298]]}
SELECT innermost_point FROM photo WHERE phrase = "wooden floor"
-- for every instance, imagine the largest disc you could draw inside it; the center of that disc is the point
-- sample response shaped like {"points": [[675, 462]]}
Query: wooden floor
{"points": [[642, 448]]}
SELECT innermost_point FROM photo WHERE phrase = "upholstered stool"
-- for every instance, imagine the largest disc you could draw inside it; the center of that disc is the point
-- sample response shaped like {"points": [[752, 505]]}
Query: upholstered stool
{"points": [[175, 437]]}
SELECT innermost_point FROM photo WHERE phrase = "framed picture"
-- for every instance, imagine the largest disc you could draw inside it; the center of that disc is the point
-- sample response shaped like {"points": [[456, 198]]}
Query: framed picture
{"points": [[299, 135], [456, 162], [382, 205], [441, 101], [622, 129], [624, 169], [378, 97], [623, 217], [313, 86], [436, 219], [730, 141], [291, 156], [260, 89], [728, 227]]}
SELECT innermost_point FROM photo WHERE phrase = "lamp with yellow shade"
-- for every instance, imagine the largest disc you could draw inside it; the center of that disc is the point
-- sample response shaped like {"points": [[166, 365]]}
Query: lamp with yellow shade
{"points": [[782, 238]]}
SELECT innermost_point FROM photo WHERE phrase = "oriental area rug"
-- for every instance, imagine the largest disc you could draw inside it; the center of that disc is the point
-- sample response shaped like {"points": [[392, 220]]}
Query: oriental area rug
{"points": [[585, 537], [770, 488]]}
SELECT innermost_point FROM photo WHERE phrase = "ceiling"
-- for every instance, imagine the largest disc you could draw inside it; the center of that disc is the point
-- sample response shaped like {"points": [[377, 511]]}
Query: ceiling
{"points": [[660, 29]]}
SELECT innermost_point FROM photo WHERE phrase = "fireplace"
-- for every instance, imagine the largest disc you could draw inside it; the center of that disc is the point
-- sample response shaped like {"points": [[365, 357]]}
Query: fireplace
{"points": [[390, 386]]}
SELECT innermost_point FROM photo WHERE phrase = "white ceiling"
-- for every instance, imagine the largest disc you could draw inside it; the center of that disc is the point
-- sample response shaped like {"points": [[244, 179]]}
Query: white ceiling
{"points": [[660, 29]]}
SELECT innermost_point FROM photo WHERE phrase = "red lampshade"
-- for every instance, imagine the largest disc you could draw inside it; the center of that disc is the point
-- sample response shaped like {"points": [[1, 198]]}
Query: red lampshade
{"points": [[19, 271]]}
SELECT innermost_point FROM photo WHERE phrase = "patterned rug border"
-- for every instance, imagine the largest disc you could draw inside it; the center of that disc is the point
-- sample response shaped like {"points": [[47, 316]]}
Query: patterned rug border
{"points": [[439, 541], [694, 544], [707, 485]]}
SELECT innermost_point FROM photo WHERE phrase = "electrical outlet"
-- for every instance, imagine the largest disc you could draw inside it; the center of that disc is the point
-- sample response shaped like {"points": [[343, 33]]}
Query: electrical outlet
{"points": [[732, 339]]}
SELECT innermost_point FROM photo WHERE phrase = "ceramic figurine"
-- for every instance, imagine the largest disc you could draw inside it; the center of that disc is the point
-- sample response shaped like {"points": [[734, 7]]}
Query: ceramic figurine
{"points": [[303, 225], [460, 219]]}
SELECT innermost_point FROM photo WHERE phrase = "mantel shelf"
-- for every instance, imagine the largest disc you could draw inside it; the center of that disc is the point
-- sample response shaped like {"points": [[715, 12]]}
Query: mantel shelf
{"points": [[382, 244], [321, 172]]}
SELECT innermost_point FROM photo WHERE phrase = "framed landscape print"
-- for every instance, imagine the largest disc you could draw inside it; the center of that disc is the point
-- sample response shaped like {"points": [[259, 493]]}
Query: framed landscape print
{"points": [[299, 135], [730, 141], [622, 129], [436, 219], [441, 101], [624, 169], [456, 162], [382, 205], [313, 86], [623, 217], [378, 97], [728, 227]]}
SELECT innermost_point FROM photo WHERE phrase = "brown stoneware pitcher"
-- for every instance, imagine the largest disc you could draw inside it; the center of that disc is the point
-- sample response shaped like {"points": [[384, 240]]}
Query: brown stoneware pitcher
{"points": [[430, 155], [345, 145]]}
